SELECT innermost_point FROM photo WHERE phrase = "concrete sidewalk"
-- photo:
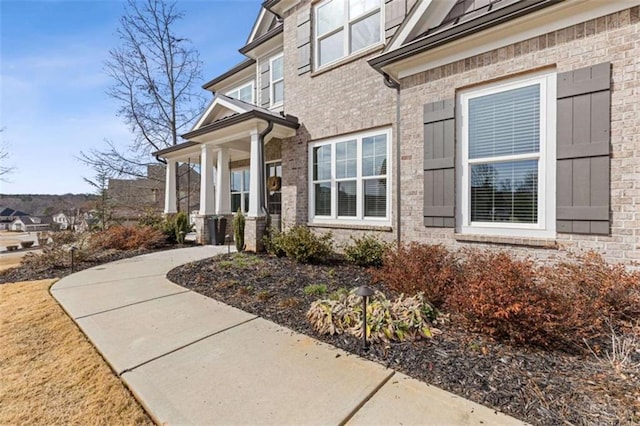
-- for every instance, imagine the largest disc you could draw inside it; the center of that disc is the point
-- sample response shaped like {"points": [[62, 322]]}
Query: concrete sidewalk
{"points": [[192, 360]]}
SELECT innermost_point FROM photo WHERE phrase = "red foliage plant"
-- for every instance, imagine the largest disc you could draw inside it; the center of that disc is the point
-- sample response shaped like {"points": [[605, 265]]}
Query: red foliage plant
{"points": [[127, 238], [413, 268]]}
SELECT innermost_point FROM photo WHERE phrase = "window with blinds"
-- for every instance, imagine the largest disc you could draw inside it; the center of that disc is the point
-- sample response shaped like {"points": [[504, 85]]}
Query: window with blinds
{"points": [[349, 178]]}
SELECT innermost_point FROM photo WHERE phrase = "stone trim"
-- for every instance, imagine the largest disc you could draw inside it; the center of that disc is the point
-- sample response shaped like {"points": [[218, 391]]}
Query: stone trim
{"points": [[347, 59], [351, 227], [548, 243]]}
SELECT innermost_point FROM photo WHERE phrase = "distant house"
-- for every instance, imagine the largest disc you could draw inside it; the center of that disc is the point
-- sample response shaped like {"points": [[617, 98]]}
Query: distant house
{"points": [[62, 220], [7, 216], [29, 224]]}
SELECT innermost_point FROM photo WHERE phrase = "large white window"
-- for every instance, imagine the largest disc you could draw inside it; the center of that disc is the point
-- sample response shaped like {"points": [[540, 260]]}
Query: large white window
{"points": [[507, 173], [240, 190], [349, 179], [243, 93], [343, 27], [276, 79]]}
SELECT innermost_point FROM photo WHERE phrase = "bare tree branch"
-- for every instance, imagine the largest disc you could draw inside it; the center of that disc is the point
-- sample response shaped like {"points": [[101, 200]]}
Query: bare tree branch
{"points": [[4, 157]]}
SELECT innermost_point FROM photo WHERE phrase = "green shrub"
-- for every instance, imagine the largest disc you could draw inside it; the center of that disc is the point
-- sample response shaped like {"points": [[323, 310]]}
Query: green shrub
{"points": [[401, 319], [238, 230], [273, 243], [415, 268], [176, 227], [366, 251], [151, 218], [302, 245], [315, 290]]}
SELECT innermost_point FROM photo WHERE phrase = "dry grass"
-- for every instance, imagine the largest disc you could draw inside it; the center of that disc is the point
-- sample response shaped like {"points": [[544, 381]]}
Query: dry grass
{"points": [[8, 261], [50, 373]]}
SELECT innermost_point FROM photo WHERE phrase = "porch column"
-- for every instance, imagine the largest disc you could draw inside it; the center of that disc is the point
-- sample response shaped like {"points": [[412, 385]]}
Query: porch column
{"points": [[206, 181], [170, 188], [223, 190], [256, 180]]}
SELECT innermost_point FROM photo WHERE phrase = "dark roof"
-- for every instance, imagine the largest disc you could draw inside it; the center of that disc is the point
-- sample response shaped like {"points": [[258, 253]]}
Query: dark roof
{"points": [[242, 65], [288, 121], [27, 220], [465, 18], [263, 38], [10, 212]]}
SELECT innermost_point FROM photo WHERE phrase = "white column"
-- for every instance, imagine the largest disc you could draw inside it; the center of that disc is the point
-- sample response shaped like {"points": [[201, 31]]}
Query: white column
{"points": [[254, 178], [170, 188], [223, 180], [206, 181]]}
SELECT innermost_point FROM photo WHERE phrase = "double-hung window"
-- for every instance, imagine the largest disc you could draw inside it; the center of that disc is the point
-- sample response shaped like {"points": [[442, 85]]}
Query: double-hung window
{"points": [[349, 179], [508, 158], [240, 190], [276, 79], [343, 27], [243, 93]]}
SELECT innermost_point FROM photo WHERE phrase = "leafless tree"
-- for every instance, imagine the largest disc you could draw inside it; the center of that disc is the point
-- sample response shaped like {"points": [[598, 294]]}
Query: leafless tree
{"points": [[155, 74], [4, 157]]}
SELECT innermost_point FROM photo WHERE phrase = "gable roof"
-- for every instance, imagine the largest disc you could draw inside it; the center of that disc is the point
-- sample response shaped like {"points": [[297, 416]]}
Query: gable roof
{"points": [[236, 69], [10, 212], [265, 22]]}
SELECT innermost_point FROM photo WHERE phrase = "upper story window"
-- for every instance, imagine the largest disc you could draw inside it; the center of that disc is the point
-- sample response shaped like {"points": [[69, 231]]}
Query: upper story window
{"points": [[276, 79], [243, 93], [343, 27], [508, 152]]}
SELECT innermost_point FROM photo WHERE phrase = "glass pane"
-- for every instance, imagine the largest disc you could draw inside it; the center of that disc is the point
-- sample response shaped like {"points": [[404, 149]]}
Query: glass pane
{"points": [[278, 92], [359, 7], [236, 181], [322, 162], [277, 69], [323, 199], [234, 94], [245, 93], [331, 48], [505, 192], [346, 159], [245, 178], [375, 197], [374, 155], [246, 202], [275, 205], [505, 123], [347, 198], [235, 202], [365, 33], [330, 16], [274, 169]]}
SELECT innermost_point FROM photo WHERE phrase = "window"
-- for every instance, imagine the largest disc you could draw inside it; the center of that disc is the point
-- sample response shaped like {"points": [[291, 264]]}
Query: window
{"points": [[344, 27], [276, 79], [349, 179], [243, 93], [508, 157], [240, 190], [274, 198]]}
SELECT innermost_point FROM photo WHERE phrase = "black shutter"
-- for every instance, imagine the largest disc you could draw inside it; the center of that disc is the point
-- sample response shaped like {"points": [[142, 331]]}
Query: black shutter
{"points": [[303, 42], [439, 172], [265, 80], [583, 134]]}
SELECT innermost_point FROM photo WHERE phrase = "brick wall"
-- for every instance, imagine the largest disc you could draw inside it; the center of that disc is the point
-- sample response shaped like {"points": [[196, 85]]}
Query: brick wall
{"points": [[614, 38]]}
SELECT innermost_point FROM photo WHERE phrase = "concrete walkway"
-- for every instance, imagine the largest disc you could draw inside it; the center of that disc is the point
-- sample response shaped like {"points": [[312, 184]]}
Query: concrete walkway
{"points": [[192, 360]]}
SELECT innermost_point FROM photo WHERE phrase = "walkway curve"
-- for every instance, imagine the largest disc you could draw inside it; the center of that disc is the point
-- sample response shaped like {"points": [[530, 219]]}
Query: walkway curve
{"points": [[190, 359]]}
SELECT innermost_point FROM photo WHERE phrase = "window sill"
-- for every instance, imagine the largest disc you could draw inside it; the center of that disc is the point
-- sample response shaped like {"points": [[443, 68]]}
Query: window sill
{"points": [[347, 59], [548, 243], [355, 227]]}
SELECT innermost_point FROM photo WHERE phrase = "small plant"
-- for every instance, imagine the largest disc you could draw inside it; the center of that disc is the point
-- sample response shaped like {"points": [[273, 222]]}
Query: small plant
{"points": [[239, 261], [176, 227], [264, 295], [402, 319], [620, 357], [367, 251], [315, 290], [152, 218], [289, 302], [238, 230], [302, 245]]}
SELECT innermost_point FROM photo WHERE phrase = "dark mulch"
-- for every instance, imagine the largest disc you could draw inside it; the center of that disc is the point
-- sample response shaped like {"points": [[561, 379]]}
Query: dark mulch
{"points": [[540, 387]]}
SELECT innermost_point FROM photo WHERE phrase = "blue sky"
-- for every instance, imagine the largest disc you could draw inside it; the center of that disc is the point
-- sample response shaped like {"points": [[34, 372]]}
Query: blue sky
{"points": [[52, 84]]}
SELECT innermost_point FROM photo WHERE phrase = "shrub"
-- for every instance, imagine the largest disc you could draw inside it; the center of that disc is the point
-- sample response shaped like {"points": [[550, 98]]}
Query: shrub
{"points": [[302, 245], [127, 238], [414, 268], [366, 251], [400, 319], [238, 230], [151, 218], [176, 226], [315, 290], [273, 243], [500, 296]]}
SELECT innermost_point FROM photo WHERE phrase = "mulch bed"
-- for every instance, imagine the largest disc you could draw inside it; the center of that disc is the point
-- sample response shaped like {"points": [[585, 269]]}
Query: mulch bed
{"points": [[537, 386]]}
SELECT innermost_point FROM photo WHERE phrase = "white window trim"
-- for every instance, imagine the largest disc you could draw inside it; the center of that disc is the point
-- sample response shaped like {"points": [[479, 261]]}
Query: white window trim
{"points": [[242, 192], [346, 35], [546, 226], [359, 219], [239, 88], [272, 82]]}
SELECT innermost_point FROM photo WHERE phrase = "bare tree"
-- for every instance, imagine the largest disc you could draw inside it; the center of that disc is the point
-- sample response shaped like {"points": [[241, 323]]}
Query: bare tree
{"points": [[155, 74], [102, 204], [4, 157]]}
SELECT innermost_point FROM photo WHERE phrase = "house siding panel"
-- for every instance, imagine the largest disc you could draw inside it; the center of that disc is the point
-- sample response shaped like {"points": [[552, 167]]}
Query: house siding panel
{"points": [[599, 41]]}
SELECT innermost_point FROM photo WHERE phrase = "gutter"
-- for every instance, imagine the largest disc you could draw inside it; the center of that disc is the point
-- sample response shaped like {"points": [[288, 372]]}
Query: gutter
{"points": [[393, 84], [237, 68], [287, 121], [262, 39], [481, 23]]}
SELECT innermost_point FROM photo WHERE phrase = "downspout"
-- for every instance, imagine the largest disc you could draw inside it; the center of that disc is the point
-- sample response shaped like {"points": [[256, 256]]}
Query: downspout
{"points": [[262, 180], [393, 84], [161, 160]]}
